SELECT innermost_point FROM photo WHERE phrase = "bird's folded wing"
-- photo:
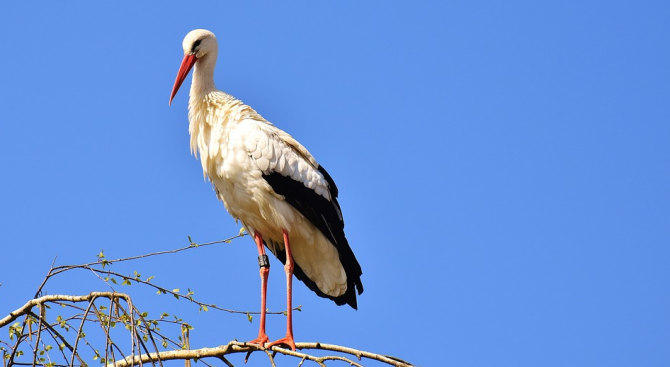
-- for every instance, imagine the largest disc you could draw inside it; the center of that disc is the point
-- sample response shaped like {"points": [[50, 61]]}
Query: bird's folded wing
{"points": [[292, 172]]}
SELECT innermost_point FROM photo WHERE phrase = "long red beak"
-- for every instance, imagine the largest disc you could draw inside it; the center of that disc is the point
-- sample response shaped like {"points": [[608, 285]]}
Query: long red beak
{"points": [[186, 66]]}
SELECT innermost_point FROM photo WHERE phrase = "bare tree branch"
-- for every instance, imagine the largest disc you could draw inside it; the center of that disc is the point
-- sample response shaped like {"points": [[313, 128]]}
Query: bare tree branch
{"points": [[63, 268], [25, 309], [141, 329], [239, 347]]}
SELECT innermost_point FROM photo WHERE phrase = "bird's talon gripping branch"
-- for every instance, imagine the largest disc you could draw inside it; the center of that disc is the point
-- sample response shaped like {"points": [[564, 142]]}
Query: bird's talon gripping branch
{"points": [[287, 341], [260, 341]]}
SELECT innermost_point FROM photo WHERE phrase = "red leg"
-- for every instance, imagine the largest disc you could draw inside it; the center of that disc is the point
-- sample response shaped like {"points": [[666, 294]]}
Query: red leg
{"points": [[288, 267], [265, 270]]}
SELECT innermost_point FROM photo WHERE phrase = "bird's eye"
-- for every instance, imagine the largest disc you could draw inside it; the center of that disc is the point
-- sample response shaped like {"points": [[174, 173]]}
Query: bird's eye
{"points": [[195, 44]]}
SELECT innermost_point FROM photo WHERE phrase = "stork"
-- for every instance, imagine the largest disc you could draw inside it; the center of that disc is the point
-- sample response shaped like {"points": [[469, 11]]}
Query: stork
{"points": [[272, 184]]}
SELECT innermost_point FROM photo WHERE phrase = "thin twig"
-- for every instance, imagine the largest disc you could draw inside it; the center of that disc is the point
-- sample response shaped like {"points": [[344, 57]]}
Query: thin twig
{"points": [[150, 334], [226, 361], [39, 333], [61, 337], [80, 330]]}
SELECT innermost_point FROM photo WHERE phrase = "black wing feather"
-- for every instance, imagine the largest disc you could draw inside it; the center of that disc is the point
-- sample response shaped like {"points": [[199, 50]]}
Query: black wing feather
{"points": [[326, 216]]}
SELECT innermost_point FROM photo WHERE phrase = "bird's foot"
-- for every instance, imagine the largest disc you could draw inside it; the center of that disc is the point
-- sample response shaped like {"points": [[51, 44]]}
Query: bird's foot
{"points": [[287, 340], [260, 341]]}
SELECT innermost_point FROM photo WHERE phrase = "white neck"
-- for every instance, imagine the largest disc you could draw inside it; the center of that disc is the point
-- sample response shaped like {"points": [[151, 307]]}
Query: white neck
{"points": [[203, 76]]}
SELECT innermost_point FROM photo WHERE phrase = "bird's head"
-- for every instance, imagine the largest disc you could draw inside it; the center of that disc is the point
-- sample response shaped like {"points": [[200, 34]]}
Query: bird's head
{"points": [[198, 45]]}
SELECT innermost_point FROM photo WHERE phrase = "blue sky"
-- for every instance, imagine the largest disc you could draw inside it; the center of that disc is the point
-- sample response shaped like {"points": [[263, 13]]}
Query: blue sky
{"points": [[503, 167]]}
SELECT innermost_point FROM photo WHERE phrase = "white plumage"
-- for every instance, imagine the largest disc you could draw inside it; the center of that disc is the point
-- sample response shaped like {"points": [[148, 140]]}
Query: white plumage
{"points": [[268, 180], [234, 156]]}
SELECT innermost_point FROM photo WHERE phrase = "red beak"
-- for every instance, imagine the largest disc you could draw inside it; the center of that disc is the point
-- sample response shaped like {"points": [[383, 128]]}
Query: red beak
{"points": [[186, 66]]}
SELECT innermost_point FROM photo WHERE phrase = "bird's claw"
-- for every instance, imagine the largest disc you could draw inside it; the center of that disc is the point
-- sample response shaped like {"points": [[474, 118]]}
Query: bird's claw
{"points": [[287, 340], [260, 341]]}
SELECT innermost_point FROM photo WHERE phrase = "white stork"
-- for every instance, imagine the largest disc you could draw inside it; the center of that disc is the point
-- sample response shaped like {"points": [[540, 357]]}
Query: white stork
{"points": [[272, 184]]}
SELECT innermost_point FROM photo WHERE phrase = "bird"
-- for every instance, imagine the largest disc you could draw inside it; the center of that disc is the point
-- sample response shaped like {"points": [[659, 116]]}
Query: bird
{"points": [[272, 184]]}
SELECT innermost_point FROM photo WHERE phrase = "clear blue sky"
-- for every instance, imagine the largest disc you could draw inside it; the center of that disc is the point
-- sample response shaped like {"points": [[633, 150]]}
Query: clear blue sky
{"points": [[504, 167]]}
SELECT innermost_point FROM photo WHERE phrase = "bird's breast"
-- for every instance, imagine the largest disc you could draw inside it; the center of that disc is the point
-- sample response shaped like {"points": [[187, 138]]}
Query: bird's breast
{"points": [[237, 178]]}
